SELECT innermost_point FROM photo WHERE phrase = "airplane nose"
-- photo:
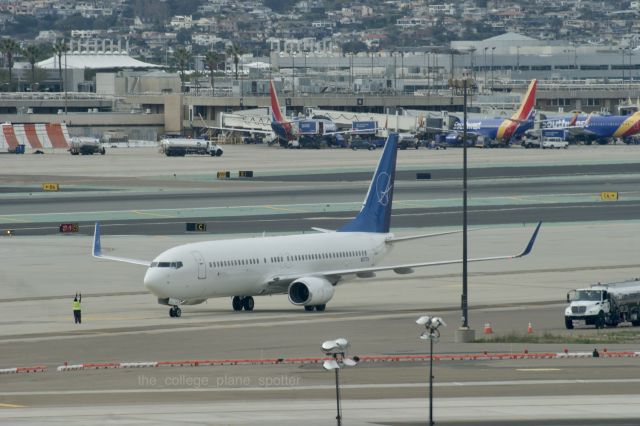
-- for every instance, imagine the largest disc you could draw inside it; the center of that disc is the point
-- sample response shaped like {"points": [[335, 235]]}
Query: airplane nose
{"points": [[152, 282]]}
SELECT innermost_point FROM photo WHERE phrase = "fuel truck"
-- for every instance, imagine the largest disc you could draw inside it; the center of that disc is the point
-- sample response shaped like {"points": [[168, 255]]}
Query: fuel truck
{"points": [[179, 147], [604, 305], [86, 146]]}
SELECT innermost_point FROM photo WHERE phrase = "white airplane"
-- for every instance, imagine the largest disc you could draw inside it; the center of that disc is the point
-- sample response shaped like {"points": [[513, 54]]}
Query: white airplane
{"points": [[305, 267]]}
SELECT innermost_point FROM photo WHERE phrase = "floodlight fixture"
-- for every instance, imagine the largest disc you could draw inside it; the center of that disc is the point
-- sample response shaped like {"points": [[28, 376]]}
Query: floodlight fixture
{"points": [[337, 349], [432, 324]]}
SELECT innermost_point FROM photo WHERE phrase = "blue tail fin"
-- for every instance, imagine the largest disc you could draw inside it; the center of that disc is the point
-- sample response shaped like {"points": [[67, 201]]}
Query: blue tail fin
{"points": [[375, 215]]}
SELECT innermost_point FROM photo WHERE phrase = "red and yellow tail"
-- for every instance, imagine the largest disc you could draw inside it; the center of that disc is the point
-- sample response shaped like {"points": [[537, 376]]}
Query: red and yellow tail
{"points": [[508, 127], [529, 101], [275, 105]]}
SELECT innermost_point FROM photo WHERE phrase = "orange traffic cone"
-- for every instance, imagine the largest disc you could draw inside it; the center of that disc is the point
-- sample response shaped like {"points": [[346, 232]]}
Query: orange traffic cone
{"points": [[529, 328], [488, 329]]}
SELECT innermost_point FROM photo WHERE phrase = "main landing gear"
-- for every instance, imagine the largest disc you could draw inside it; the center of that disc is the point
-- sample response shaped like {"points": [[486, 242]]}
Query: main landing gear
{"points": [[175, 312], [242, 302], [319, 308]]}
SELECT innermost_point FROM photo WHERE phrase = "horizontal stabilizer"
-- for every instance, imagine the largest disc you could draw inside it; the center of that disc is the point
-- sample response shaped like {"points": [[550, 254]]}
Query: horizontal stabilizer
{"points": [[415, 237]]}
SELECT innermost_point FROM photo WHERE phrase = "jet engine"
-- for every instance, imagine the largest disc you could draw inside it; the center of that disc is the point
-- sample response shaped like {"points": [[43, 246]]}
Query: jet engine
{"points": [[309, 291]]}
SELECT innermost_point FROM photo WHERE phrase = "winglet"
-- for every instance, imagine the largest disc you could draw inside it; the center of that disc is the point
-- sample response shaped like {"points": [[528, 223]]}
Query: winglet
{"points": [[97, 248], [529, 247]]}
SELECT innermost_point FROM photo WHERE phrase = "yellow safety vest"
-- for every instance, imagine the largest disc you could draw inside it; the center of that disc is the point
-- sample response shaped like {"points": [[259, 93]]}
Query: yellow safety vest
{"points": [[76, 305]]}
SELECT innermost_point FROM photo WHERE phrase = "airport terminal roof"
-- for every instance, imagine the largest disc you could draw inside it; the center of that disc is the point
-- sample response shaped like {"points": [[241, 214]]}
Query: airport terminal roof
{"points": [[97, 61]]}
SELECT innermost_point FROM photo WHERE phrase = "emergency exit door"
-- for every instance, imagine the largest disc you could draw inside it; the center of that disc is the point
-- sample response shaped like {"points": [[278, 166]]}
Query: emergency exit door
{"points": [[202, 267]]}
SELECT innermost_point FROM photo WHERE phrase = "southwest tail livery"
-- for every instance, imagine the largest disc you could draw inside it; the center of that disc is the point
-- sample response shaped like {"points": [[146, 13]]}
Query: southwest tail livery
{"points": [[307, 267], [282, 127], [502, 130]]}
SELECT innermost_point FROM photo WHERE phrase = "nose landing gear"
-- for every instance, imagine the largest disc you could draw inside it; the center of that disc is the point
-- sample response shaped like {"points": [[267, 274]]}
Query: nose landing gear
{"points": [[175, 312], [242, 302]]}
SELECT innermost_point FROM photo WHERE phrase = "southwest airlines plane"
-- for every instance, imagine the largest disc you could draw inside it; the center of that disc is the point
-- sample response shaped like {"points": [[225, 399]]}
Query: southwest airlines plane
{"points": [[305, 267], [502, 130]]}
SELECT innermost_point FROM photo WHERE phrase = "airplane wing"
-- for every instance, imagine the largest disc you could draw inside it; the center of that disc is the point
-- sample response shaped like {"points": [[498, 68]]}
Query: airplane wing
{"points": [[97, 251], [407, 268]]}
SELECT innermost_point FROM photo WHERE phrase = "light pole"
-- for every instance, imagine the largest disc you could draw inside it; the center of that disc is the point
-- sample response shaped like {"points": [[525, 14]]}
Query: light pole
{"points": [[293, 79], [432, 334], [492, 49], [351, 72], [485, 66], [395, 74], [337, 349], [464, 333], [622, 67]]}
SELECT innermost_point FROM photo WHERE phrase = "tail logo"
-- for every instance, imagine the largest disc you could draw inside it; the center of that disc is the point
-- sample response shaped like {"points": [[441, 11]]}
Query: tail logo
{"points": [[383, 188]]}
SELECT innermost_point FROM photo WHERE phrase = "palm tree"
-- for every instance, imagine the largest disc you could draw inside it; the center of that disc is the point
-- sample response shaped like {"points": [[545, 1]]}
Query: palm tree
{"points": [[60, 48], [211, 60], [235, 51], [32, 53], [182, 56], [9, 47]]}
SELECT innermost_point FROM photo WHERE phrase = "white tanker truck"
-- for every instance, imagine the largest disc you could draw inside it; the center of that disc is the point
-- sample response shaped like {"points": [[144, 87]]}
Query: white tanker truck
{"points": [[604, 304], [179, 147], [86, 146]]}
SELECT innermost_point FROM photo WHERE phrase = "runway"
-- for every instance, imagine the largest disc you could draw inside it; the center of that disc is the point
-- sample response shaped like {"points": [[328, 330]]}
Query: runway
{"points": [[582, 241]]}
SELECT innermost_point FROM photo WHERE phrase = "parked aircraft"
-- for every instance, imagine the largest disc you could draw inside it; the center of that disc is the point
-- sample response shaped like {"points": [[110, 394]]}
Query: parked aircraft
{"points": [[305, 267], [500, 130], [289, 130], [599, 128]]}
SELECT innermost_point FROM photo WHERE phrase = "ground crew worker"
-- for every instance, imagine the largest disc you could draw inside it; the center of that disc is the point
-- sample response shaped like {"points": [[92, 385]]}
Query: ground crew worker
{"points": [[77, 316]]}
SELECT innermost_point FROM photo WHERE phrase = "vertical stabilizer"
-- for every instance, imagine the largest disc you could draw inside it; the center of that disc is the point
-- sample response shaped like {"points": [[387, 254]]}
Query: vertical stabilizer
{"points": [[283, 128], [529, 101], [276, 112], [375, 215]]}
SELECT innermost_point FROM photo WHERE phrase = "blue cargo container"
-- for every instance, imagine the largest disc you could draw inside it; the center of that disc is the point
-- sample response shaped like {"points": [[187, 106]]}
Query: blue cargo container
{"points": [[308, 127], [364, 127]]}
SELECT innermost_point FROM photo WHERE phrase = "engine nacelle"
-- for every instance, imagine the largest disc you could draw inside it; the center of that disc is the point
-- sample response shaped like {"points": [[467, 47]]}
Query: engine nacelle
{"points": [[310, 291]]}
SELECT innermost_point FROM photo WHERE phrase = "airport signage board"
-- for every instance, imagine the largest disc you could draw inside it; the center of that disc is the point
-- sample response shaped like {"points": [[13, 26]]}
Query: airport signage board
{"points": [[369, 126], [609, 196], [66, 228], [196, 227], [308, 127], [49, 186]]}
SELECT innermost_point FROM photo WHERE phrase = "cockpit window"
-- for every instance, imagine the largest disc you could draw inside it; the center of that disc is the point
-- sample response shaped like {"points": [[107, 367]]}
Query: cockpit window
{"points": [[174, 265]]}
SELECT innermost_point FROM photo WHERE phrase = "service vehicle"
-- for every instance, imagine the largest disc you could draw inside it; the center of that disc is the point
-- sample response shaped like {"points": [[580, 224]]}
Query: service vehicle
{"points": [[86, 146], [361, 143], [604, 304], [179, 147]]}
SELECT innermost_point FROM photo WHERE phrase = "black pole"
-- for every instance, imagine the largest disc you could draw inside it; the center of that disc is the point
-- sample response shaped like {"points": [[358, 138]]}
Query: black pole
{"points": [[339, 415], [465, 318], [431, 423]]}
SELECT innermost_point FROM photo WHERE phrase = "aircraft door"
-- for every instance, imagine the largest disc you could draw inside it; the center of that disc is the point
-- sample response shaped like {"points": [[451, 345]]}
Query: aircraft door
{"points": [[202, 267], [320, 128]]}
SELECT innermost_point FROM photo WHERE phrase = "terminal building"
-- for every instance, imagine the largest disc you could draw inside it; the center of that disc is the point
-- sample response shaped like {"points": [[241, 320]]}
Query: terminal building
{"points": [[108, 90]]}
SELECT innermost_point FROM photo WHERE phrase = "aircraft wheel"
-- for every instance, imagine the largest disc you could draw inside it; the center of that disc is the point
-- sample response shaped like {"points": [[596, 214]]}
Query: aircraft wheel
{"points": [[247, 303], [308, 308], [236, 302], [175, 312], [321, 308]]}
